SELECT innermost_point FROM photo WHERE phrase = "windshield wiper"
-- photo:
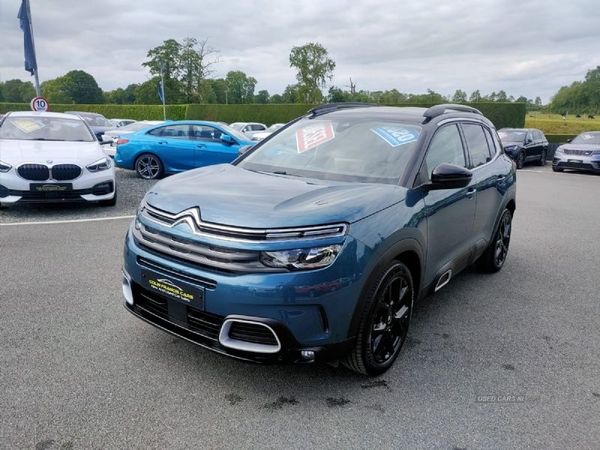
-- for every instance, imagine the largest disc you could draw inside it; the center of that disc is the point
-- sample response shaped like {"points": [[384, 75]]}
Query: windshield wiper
{"points": [[45, 139]]}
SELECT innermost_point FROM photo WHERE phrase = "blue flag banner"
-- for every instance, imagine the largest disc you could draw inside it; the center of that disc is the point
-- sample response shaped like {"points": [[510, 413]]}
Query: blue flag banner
{"points": [[160, 90], [25, 21]]}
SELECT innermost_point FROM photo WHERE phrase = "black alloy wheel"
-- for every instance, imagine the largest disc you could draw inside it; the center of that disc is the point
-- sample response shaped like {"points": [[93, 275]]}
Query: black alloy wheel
{"points": [[148, 167], [542, 161], [385, 321], [495, 255], [520, 160]]}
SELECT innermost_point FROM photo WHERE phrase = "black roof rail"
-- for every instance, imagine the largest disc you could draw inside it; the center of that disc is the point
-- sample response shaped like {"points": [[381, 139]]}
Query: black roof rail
{"points": [[328, 107], [438, 110]]}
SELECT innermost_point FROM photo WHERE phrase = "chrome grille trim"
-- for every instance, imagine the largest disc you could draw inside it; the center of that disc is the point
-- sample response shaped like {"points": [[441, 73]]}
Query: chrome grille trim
{"points": [[200, 255], [581, 152], [200, 228]]}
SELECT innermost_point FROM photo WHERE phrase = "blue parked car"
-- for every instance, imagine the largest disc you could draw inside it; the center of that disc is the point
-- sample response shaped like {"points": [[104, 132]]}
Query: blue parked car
{"points": [[316, 243], [178, 146]]}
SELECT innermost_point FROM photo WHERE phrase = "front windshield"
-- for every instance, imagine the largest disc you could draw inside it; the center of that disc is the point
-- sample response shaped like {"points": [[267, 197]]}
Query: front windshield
{"points": [[370, 150], [136, 126], [512, 135], [587, 138], [44, 129]]}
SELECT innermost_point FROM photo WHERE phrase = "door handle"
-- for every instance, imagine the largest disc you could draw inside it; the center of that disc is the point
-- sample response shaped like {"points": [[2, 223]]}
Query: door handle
{"points": [[201, 146], [162, 142], [471, 192], [500, 177]]}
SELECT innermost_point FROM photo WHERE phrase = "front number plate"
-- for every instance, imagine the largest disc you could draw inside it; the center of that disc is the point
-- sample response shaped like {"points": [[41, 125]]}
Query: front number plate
{"points": [[50, 187], [173, 288], [576, 161]]}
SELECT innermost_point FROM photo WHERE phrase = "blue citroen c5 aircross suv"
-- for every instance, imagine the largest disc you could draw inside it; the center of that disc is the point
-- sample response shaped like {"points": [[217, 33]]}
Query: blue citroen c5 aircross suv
{"points": [[315, 244]]}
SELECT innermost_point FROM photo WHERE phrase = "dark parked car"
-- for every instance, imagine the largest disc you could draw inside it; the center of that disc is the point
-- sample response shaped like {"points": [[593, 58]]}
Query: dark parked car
{"points": [[97, 122], [524, 145], [582, 153], [316, 243]]}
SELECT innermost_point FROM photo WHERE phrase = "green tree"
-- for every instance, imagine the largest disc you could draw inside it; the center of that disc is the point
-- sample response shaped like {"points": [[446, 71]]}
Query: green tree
{"points": [[459, 96], [501, 97], [1, 94], [59, 90], [337, 95], [290, 94], [130, 91], [165, 56], [240, 87], [475, 96], [262, 97], [314, 68], [147, 93], [18, 91], [276, 99], [189, 63], [219, 88], [118, 96], [84, 89]]}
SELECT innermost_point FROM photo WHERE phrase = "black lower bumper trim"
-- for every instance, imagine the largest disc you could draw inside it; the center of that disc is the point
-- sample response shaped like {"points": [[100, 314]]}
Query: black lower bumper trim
{"points": [[289, 354]]}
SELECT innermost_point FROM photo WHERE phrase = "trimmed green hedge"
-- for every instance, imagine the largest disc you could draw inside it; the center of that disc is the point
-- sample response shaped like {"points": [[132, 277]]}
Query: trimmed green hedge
{"points": [[501, 114], [559, 138], [268, 114], [110, 111]]}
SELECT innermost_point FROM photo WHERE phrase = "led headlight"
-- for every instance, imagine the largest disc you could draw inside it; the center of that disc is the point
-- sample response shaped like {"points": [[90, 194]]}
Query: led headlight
{"points": [[302, 258], [559, 150], [4, 167], [100, 165]]}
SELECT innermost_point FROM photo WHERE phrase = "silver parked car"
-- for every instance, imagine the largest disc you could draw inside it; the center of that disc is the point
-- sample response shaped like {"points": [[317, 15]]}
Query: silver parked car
{"points": [[581, 153], [249, 128]]}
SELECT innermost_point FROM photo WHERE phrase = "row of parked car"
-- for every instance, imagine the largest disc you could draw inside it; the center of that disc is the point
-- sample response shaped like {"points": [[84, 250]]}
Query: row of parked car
{"points": [[530, 145], [313, 244]]}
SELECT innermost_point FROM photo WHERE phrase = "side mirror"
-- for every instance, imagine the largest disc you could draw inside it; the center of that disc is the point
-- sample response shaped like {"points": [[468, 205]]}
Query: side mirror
{"points": [[226, 139], [528, 141], [569, 140], [449, 176]]}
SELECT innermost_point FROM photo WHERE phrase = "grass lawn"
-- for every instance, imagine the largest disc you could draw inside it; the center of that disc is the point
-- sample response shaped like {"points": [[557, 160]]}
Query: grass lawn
{"points": [[555, 124]]}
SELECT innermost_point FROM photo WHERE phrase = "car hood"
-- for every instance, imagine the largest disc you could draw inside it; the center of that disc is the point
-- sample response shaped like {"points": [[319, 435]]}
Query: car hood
{"points": [[15, 152], [229, 195], [510, 143], [584, 147]]}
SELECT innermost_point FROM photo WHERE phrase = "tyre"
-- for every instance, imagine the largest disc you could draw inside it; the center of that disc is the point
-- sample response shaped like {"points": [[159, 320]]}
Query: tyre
{"points": [[148, 166], [111, 202], [542, 161], [520, 160], [495, 255], [556, 169], [384, 321]]}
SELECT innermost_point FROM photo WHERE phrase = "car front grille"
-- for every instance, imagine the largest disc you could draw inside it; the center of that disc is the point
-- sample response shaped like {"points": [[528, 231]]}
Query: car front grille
{"points": [[34, 172], [197, 254], [581, 152], [65, 172], [42, 172]]}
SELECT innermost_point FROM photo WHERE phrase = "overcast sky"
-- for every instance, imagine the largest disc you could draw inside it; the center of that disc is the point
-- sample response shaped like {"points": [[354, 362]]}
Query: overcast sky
{"points": [[524, 47]]}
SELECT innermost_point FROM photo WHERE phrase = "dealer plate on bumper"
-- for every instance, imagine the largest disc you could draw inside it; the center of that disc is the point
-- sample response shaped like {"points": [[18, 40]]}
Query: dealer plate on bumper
{"points": [[50, 187], [173, 289]]}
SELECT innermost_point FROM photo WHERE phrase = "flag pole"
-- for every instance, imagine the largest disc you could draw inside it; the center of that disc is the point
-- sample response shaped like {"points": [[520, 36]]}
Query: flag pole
{"points": [[35, 71], [162, 89]]}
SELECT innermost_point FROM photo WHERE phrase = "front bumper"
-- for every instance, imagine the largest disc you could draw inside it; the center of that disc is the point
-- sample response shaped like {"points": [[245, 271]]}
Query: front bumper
{"points": [[577, 162], [265, 318]]}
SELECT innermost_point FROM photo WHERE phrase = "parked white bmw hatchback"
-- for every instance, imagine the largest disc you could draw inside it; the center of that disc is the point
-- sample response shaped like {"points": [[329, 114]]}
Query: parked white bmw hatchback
{"points": [[53, 157]]}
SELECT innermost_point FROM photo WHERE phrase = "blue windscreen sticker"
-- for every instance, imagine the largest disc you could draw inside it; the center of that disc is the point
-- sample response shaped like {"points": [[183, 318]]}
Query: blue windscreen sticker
{"points": [[399, 135]]}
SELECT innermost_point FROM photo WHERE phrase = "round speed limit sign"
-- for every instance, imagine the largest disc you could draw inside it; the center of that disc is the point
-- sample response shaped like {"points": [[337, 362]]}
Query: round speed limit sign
{"points": [[39, 104]]}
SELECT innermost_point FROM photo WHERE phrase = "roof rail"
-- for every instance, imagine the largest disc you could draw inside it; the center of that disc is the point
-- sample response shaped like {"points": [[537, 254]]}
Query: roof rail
{"points": [[438, 110], [328, 107]]}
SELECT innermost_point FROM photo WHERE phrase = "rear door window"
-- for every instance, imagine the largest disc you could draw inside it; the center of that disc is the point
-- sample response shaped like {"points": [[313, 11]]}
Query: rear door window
{"points": [[477, 144]]}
